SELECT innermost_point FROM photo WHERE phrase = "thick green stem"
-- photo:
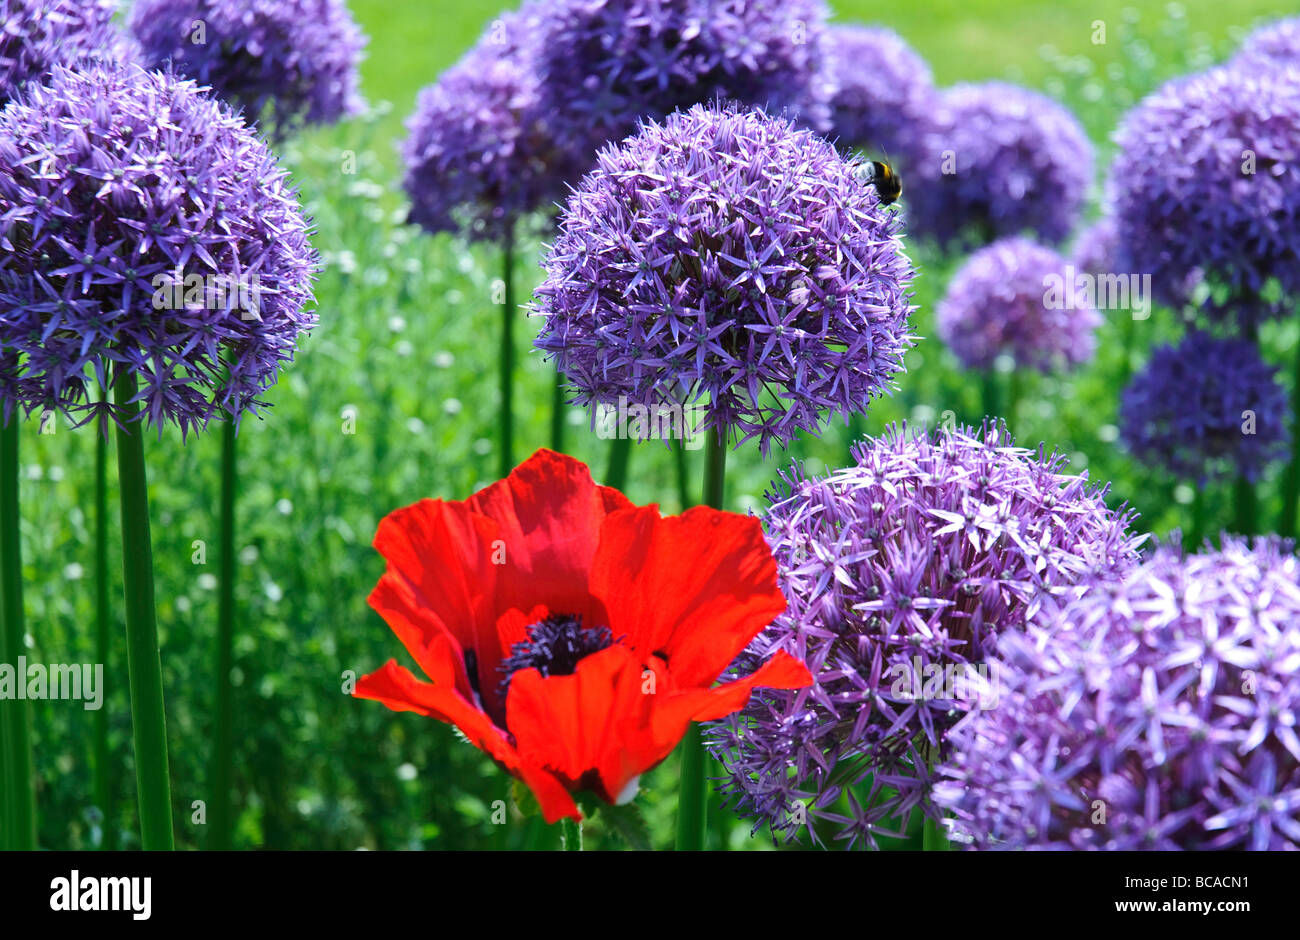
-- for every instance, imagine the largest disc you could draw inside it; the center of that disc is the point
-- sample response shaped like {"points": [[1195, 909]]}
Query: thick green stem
{"points": [[1244, 503], [6, 773], [571, 835], [1126, 367], [1244, 499], [1286, 526], [933, 838], [1011, 408], [620, 453], [692, 793], [103, 634], [989, 393], [715, 470], [1196, 529], [144, 665], [692, 796], [539, 835], [683, 476], [558, 413], [20, 790], [220, 817], [506, 365], [857, 431]]}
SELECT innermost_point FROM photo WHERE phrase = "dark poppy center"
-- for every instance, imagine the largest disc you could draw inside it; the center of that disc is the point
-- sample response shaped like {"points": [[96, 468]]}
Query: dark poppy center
{"points": [[554, 647]]}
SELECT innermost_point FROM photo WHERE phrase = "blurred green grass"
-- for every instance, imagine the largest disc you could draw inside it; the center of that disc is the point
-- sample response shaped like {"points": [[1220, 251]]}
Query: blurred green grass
{"points": [[406, 339], [963, 40]]}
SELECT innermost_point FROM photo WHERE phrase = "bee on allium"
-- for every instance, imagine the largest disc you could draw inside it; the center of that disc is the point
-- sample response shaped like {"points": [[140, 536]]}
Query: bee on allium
{"points": [[881, 175]]}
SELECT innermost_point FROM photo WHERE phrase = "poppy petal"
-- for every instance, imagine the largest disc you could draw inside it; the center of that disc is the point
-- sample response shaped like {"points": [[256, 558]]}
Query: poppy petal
{"points": [[671, 713], [610, 717], [441, 577], [555, 801], [395, 687], [435, 649], [779, 671], [549, 514], [570, 724], [693, 589]]}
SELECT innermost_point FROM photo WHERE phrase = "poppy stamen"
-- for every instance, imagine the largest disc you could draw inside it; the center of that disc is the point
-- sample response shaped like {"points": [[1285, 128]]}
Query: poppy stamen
{"points": [[554, 647]]}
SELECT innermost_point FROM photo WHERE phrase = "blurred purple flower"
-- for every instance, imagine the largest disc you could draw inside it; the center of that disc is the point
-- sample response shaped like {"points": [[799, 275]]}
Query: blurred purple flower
{"points": [[1097, 247], [1207, 408], [906, 566], [998, 160], [884, 93], [36, 35], [726, 256], [1011, 297], [1277, 42], [143, 223], [289, 62], [481, 152], [1157, 712], [1206, 186], [606, 64]]}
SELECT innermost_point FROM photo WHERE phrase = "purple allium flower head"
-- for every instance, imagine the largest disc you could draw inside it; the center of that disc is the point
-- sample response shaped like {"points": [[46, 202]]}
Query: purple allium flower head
{"points": [[607, 64], [292, 62], [1277, 42], [142, 223], [480, 152], [36, 35], [1011, 297], [727, 256], [1206, 186], [903, 566], [998, 160], [1158, 711], [1205, 409], [884, 93]]}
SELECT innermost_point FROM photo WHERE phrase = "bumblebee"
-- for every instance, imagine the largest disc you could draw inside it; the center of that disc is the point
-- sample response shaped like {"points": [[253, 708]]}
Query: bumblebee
{"points": [[882, 176]]}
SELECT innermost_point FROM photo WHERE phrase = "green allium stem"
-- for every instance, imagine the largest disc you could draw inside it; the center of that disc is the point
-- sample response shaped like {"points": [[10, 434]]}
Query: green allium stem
{"points": [[989, 393], [683, 475], [1126, 367], [1286, 526], [1245, 506], [20, 789], [104, 773], [558, 413], [1196, 528], [857, 431], [221, 817], [506, 364], [693, 793], [144, 665], [620, 454], [933, 838], [715, 470], [1012, 406]]}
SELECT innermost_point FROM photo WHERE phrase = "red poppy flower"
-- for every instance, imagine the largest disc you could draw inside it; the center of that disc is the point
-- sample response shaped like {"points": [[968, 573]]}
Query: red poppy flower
{"points": [[569, 634]]}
